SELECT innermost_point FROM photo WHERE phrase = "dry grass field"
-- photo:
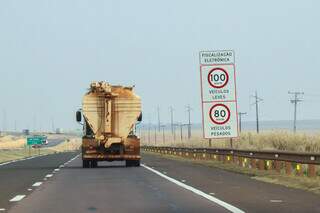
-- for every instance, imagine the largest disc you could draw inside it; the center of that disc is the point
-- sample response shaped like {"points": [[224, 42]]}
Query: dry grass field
{"points": [[269, 140], [13, 148], [11, 142], [68, 145]]}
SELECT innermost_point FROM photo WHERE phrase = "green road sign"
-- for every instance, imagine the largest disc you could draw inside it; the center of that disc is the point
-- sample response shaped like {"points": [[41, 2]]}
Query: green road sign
{"points": [[35, 140]]}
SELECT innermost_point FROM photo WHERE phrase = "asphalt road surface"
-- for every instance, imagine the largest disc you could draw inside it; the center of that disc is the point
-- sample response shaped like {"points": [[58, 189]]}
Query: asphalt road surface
{"points": [[159, 185], [54, 142], [17, 177]]}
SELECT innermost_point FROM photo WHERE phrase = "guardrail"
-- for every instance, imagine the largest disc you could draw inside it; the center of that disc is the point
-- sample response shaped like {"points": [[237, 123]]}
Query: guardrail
{"points": [[291, 162]]}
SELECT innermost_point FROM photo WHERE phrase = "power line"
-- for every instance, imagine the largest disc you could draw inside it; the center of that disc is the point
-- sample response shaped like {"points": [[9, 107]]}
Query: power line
{"points": [[163, 135], [295, 102], [171, 113], [257, 100], [159, 123]]}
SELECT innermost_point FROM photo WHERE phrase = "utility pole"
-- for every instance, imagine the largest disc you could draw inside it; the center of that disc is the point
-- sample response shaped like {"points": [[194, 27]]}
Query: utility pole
{"points": [[295, 102], [149, 127], [155, 135], [159, 123], [163, 136], [189, 121], [240, 119], [181, 125], [171, 113], [257, 100], [174, 131], [52, 124]]}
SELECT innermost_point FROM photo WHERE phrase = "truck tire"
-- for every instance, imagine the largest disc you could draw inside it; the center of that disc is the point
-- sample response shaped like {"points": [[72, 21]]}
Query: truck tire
{"points": [[94, 164], [85, 164], [130, 163], [137, 163]]}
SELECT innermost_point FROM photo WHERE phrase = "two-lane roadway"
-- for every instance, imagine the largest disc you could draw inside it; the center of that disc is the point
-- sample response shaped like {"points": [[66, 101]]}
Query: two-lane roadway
{"points": [[159, 185]]}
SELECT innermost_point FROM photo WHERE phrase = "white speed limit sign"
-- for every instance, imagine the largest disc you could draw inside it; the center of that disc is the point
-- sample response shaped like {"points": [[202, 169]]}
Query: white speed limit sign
{"points": [[218, 82], [218, 77], [218, 94], [219, 114]]}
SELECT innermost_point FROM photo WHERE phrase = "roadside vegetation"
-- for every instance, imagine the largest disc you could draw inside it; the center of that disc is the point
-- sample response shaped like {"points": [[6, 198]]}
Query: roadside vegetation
{"points": [[14, 147], [268, 140]]}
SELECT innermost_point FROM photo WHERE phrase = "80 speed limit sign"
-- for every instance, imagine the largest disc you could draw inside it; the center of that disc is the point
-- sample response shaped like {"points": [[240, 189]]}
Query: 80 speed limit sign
{"points": [[219, 114], [220, 120], [218, 93]]}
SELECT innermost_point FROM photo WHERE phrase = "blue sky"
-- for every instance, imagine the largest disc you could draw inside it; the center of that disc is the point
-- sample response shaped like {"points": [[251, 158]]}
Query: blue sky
{"points": [[51, 50]]}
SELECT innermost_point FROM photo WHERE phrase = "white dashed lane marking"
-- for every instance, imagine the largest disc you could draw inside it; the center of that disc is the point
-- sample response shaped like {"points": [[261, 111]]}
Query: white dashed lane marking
{"points": [[37, 184], [17, 198], [276, 201], [49, 175]]}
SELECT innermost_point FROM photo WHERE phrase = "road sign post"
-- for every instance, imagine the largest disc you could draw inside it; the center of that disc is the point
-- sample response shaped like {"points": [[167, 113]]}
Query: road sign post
{"points": [[218, 94]]}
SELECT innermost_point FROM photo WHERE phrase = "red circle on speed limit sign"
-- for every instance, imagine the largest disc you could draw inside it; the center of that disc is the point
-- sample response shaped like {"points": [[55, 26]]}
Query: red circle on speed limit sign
{"points": [[219, 114], [218, 77]]}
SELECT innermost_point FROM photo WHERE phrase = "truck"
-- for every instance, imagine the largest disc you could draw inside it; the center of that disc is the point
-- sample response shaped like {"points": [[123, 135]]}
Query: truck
{"points": [[109, 116]]}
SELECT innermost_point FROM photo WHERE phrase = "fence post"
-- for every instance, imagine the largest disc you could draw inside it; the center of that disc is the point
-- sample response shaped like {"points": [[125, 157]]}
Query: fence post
{"points": [[261, 164], [288, 168], [253, 163], [311, 170], [277, 165]]}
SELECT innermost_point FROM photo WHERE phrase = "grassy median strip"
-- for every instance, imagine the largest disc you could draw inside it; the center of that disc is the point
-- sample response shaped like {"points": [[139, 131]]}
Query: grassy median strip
{"points": [[16, 154], [270, 176], [13, 153]]}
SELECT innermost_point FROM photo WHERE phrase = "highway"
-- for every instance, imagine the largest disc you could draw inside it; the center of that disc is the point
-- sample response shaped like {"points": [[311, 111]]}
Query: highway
{"points": [[159, 185], [54, 142]]}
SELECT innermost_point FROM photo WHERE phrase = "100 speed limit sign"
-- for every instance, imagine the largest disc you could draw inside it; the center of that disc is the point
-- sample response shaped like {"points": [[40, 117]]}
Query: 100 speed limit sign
{"points": [[218, 77], [218, 83]]}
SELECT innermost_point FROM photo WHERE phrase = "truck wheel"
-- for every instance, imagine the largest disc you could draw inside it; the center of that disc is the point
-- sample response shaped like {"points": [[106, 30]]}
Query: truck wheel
{"points": [[136, 163], [85, 164], [94, 164], [130, 163]]}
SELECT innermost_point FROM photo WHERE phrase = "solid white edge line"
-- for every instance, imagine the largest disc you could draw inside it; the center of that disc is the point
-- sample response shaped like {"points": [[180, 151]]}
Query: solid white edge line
{"points": [[17, 160], [29, 158], [197, 191], [17, 198], [37, 184]]}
